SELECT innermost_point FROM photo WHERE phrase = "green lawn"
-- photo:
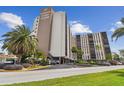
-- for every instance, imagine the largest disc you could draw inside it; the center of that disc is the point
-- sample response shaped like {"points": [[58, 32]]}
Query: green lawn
{"points": [[110, 78]]}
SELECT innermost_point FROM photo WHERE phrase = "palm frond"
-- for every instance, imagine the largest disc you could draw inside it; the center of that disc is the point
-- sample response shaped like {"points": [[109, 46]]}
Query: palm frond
{"points": [[19, 41], [118, 33]]}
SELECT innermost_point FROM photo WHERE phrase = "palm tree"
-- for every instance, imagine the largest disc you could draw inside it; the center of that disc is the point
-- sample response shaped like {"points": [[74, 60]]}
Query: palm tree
{"points": [[78, 52], [74, 51], [109, 57], [122, 52], [119, 32], [20, 42]]}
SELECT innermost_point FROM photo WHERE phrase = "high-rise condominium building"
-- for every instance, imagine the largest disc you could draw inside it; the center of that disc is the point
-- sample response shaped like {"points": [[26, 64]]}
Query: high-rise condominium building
{"points": [[35, 26], [53, 34], [56, 41], [94, 46]]}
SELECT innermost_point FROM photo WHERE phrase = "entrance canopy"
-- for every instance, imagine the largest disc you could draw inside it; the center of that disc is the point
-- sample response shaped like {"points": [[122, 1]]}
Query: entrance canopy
{"points": [[8, 56]]}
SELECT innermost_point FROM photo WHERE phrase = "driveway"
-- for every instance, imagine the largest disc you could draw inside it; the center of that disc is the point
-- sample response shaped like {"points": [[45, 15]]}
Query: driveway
{"points": [[16, 77]]}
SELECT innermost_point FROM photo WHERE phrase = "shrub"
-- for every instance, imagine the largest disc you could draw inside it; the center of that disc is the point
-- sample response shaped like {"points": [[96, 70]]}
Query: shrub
{"points": [[44, 62], [92, 62], [24, 58], [26, 65], [2, 65], [13, 67], [80, 61]]}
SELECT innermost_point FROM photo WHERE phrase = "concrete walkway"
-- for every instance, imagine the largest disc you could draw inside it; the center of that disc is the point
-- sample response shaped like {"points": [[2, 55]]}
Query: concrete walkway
{"points": [[17, 77]]}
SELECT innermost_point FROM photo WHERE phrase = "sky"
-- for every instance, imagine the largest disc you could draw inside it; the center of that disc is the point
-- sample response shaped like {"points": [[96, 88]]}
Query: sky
{"points": [[82, 19]]}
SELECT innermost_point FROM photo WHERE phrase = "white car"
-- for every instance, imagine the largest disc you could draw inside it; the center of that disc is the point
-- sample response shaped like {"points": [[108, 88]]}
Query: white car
{"points": [[119, 63]]}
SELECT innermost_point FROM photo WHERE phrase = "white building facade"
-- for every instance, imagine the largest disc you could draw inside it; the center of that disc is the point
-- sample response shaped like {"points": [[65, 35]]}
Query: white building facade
{"points": [[57, 48], [53, 34], [95, 46]]}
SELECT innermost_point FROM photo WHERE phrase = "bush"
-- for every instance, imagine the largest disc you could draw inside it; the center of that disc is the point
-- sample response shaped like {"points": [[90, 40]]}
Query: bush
{"points": [[44, 62], [2, 65], [83, 63], [24, 58], [13, 67], [92, 62], [26, 65], [80, 61]]}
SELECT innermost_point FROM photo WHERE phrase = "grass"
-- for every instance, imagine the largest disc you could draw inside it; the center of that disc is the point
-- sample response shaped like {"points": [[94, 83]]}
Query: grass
{"points": [[109, 78], [36, 67]]}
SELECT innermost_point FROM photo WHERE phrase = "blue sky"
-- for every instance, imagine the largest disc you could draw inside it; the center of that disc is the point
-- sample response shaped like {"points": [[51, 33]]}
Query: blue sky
{"points": [[93, 19]]}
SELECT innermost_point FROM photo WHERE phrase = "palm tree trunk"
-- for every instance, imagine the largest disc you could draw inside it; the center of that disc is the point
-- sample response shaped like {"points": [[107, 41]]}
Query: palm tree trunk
{"points": [[19, 59]]}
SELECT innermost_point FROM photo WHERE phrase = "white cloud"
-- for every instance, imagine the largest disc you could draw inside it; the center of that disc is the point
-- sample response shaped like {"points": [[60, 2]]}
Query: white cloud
{"points": [[112, 29], [78, 28], [11, 20], [116, 25], [119, 24]]}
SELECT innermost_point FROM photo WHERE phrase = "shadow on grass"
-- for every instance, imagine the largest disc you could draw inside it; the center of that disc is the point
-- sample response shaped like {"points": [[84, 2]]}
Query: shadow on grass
{"points": [[117, 72]]}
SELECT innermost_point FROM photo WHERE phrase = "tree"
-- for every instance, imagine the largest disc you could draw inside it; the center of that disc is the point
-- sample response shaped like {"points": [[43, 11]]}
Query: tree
{"points": [[115, 57], [119, 32], [74, 51], [122, 52], [20, 42], [109, 57], [78, 52]]}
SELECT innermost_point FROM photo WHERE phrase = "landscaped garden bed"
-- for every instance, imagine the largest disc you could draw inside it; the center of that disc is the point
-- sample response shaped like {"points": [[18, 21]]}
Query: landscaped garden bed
{"points": [[21, 67]]}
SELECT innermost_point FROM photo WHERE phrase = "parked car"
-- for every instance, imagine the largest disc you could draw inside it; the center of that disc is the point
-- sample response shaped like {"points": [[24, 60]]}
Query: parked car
{"points": [[54, 62], [119, 63], [122, 63], [104, 64], [114, 62], [57, 62]]}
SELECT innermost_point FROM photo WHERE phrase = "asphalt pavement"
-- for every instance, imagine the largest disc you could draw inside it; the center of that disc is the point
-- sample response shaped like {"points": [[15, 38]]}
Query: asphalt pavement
{"points": [[27, 76]]}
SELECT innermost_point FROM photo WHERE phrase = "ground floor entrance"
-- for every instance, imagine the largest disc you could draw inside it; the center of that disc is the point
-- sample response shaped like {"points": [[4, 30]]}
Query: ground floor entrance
{"points": [[59, 60]]}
